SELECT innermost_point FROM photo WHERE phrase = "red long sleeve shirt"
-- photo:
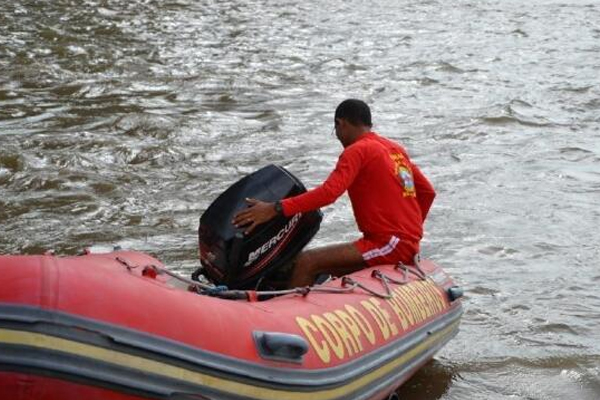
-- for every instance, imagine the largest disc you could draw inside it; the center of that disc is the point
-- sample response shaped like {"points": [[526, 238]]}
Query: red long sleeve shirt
{"points": [[389, 194]]}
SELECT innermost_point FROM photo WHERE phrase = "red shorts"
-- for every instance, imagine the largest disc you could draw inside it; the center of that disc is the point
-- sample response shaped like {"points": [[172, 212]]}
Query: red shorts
{"points": [[386, 250]]}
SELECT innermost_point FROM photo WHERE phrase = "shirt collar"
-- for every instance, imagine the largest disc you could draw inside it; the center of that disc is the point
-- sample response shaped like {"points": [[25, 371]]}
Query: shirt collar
{"points": [[366, 135]]}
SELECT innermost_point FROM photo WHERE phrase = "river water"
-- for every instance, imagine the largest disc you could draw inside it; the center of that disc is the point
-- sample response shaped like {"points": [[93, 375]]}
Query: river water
{"points": [[121, 120]]}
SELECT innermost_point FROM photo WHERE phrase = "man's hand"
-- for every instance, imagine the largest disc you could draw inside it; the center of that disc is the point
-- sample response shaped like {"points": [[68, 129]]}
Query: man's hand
{"points": [[258, 213]]}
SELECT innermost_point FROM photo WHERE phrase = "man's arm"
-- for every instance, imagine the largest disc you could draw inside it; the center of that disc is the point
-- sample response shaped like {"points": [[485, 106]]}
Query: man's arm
{"points": [[336, 184], [329, 191]]}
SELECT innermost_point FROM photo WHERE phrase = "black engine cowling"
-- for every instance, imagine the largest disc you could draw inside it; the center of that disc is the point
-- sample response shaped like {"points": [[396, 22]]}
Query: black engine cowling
{"points": [[231, 258]]}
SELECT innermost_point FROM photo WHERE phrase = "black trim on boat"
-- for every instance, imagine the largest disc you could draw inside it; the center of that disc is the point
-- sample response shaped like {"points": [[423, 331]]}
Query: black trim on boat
{"points": [[80, 349]]}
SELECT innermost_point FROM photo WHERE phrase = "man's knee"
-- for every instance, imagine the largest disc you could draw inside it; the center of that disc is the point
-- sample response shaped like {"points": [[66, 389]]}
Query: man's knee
{"points": [[329, 258], [337, 260]]}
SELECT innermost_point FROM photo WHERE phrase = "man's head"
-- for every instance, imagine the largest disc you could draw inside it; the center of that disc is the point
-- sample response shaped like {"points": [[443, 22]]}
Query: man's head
{"points": [[352, 119]]}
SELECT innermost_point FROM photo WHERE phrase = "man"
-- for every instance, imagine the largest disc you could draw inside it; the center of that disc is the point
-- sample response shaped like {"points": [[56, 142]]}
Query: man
{"points": [[389, 194]]}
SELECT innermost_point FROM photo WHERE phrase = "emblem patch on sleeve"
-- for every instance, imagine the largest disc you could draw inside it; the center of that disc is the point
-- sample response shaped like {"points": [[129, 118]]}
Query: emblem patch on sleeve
{"points": [[404, 173]]}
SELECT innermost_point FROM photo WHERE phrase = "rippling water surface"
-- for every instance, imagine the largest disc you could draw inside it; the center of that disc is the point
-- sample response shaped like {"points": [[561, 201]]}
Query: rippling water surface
{"points": [[120, 121]]}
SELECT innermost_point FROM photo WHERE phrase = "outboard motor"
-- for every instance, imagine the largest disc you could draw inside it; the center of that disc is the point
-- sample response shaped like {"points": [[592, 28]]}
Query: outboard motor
{"points": [[231, 258]]}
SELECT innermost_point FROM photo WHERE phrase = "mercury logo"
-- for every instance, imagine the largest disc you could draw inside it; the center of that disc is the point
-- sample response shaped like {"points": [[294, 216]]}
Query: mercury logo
{"points": [[274, 240]]}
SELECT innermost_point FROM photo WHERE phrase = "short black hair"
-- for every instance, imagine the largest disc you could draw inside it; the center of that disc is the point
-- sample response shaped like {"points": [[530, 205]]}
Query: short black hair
{"points": [[357, 112]]}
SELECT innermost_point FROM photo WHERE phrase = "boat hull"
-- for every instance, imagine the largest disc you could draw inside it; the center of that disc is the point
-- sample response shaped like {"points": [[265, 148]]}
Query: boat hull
{"points": [[99, 327]]}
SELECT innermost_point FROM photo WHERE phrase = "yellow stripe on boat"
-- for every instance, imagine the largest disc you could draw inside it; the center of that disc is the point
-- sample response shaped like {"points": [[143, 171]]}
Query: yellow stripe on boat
{"points": [[42, 341]]}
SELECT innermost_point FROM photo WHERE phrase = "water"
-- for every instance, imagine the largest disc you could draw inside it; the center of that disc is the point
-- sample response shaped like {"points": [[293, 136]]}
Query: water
{"points": [[120, 121]]}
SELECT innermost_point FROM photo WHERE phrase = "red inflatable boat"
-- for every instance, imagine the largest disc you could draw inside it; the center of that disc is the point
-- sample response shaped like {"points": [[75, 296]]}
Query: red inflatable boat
{"points": [[116, 326], [121, 326]]}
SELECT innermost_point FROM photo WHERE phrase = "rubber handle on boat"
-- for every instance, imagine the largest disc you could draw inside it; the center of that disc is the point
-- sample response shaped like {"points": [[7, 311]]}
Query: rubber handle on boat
{"points": [[281, 346]]}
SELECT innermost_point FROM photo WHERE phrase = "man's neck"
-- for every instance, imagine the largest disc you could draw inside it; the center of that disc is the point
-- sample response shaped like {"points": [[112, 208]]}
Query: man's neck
{"points": [[359, 132]]}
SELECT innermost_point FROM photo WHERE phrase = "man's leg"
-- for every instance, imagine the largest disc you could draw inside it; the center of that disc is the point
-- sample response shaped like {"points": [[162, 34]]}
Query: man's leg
{"points": [[337, 259]]}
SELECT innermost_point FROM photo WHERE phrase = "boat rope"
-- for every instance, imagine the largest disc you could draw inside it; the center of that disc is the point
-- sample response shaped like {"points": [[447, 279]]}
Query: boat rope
{"points": [[347, 285], [417, 262], [148, 269], [401, 267]]}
